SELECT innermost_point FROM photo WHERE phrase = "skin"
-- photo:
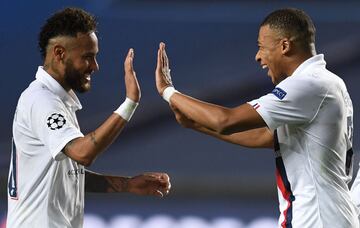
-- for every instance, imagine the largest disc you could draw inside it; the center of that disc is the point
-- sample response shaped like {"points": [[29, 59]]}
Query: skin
{"points": [[69, 57], [280, 55], [241, 125], [71, 61], [157, 184]]}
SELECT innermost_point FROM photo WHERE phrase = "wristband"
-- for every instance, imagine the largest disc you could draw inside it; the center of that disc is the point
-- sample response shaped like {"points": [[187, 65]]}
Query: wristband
{"points": [[127, 109], [168, 92]]}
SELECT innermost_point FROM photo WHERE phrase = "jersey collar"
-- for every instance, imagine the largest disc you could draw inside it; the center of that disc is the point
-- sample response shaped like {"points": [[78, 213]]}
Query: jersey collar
{"points": [[315, 60], [69, 98]]}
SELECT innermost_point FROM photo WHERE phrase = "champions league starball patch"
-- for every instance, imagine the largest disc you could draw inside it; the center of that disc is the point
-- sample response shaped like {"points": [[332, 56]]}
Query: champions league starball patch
{"points": [[56, 121]]}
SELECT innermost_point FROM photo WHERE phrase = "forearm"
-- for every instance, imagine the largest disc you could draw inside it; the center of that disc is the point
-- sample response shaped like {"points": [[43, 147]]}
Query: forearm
{"points": [[152, 183], [85, 149], [205, 114], [255, 138], [95, 182], [217, 118]]}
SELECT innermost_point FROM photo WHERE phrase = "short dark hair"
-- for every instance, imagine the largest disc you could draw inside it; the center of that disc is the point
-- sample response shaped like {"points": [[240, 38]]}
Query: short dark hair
{"points": [[292, 23], [67, 22]]}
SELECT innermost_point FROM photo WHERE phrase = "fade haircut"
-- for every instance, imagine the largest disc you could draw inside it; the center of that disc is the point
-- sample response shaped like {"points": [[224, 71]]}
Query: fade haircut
{"points": [[67, 22], [293, 24]]}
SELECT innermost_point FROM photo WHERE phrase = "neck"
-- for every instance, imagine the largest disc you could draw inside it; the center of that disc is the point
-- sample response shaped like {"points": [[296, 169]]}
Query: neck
{"points": [[299, 59], [53, 71]]}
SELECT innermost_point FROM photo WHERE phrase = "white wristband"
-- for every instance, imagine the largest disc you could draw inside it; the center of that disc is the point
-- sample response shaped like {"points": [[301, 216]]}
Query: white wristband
{"points": [[127, 109], [168, 92]]}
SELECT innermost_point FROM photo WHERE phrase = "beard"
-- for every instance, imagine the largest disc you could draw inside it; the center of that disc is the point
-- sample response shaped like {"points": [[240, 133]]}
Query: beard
{"points": [[75, 79]]}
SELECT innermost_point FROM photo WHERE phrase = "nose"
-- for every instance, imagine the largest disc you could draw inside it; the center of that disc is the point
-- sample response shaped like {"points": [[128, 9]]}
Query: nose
{"points": [[257, 57], [95, 65]]}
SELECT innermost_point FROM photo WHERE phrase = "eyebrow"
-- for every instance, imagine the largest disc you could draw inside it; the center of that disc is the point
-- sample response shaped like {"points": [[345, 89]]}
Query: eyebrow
{"points": [[90, 53]]}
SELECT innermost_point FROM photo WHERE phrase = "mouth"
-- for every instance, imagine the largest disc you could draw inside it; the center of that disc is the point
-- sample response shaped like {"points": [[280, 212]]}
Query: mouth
{"points": [[264, 66], [88, 77]]}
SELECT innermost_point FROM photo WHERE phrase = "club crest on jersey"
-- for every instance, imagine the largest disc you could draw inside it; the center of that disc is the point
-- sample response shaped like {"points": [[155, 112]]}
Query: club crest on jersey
{"points": [[279, 93], [56, 121]]}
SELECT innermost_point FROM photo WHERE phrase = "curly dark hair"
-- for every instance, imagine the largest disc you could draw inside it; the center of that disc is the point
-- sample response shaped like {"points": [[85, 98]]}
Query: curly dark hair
{"points": [[292, 23], [67, 22]]}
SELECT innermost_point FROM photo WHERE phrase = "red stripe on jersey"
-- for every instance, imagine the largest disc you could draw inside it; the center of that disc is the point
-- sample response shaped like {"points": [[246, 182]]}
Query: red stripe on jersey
{"points": [[286, 195], [256, 106]]}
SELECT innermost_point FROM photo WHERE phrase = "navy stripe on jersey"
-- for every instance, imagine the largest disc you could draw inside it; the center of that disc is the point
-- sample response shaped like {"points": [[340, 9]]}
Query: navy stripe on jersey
{"points": [[349, 159], [256, 106], [12, 184], [283, 184]]}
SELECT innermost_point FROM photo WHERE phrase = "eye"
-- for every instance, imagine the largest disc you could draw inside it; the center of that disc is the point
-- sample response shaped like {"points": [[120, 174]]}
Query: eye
{"points": [[88, 57]]}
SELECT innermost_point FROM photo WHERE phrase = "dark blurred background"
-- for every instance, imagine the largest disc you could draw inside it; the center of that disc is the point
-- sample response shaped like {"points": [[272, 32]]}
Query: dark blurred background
{"points": [[212, 46]]}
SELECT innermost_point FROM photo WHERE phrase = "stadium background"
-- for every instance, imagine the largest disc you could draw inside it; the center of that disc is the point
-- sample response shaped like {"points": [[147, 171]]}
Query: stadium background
{"points": [[211, 45]]}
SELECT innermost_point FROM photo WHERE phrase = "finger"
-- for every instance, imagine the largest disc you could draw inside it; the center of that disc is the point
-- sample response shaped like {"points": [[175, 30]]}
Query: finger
{"points": [[168, 187], [131, 67], [158, 176], [159, 60], [165, 65], [129, 60], [165, 176], [151, 174], [165, 190], [161, 49], [164, 184], [166, 60], [131, 53], [162, 45], [163, 54], [158, 193], [159, 183]]}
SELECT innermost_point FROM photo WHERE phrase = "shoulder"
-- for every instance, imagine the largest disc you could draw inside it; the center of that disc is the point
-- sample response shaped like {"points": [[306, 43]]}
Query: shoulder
{"points": [[309, 82], [37, 101], [38, 94]]}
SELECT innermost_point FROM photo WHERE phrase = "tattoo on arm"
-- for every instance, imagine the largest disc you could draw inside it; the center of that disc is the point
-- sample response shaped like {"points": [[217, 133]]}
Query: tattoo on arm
{"points": [[100, 183], [117, 184]]}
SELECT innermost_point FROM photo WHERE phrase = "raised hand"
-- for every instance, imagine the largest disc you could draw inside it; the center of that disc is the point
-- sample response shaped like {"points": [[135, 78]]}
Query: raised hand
{"points": [[131, 83], [162, 72], [157, 184]]}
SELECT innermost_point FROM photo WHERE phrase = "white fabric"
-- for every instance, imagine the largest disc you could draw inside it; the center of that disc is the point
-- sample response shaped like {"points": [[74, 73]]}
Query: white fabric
{"points": [[168, 92], [127, 109], [46, 188], [311, 112]]}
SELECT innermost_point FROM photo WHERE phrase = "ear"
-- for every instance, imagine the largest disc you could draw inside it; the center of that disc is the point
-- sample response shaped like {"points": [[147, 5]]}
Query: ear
{"points": [[59, 53], [286, 46]]}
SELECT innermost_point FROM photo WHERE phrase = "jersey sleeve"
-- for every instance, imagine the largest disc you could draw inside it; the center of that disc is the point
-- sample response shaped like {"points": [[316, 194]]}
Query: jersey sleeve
{"points": [[293, 102], [53, 126]]}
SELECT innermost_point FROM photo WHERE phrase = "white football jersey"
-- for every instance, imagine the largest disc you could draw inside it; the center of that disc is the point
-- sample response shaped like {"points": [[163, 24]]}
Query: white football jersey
{"points": [[355, 190], [45, 187], [311, 116]]}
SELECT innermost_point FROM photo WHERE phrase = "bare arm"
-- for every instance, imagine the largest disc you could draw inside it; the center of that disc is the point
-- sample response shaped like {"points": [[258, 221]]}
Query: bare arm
{"points": [[213, 117], [254, 138], [217, 118], [157, 184], [85, 149]]}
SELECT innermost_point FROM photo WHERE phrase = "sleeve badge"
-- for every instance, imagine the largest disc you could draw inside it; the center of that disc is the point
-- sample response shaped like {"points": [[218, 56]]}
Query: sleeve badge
{"points": [[56, 121]]}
